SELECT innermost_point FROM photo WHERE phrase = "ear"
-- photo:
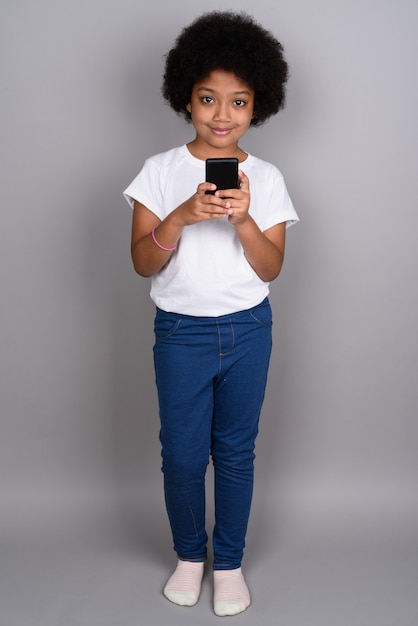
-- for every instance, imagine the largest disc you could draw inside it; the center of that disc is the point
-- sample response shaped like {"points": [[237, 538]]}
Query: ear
{"points": [[189, 107]]}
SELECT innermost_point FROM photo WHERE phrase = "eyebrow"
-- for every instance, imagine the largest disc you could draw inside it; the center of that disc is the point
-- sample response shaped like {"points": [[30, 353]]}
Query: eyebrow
{"points": [[235, 93]]}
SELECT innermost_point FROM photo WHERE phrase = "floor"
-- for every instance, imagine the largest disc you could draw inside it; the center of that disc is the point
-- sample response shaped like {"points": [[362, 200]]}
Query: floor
{"points": [[110, 573]]}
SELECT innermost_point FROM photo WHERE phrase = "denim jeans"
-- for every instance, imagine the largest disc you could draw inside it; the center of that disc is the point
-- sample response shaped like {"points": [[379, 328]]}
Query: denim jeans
{"points": [[211, 375]]}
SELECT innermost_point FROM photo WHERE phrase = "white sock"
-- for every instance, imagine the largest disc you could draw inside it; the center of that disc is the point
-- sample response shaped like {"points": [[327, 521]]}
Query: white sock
{"points": [[231, 592], [183, 586]]}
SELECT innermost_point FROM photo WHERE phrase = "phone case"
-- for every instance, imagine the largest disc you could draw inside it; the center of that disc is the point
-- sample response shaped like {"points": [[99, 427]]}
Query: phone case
{"points": [[223, 172]]}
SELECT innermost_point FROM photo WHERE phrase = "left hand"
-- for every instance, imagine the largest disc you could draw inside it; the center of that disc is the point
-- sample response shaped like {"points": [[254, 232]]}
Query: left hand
{"points": [[237, 200]]}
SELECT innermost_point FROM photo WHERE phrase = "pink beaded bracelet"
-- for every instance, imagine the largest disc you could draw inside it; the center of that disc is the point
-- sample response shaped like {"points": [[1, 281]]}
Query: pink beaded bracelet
{"points": [[159, 245]]}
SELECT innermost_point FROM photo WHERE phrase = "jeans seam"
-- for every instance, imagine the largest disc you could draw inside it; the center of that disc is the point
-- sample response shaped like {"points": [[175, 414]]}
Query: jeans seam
{"points": [[194, 520], [220, 339], [219, 348], [172, 331], [259, 321]]}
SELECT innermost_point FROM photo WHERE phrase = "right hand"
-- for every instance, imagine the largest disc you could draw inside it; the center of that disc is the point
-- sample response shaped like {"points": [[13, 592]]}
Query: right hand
{"points": [[202, 206]]}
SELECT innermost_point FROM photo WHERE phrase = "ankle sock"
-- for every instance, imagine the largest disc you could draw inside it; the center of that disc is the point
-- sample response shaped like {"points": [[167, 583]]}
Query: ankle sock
{"points": [[231, 592], [183, 586]]}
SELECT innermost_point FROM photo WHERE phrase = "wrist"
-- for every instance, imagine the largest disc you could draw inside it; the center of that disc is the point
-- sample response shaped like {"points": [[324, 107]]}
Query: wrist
{"points": [[241, 223], [167, 233], [160, 245]]}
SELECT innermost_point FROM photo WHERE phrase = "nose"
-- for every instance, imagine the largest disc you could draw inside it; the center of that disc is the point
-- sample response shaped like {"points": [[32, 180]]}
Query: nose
{"points": [[221, 112]]}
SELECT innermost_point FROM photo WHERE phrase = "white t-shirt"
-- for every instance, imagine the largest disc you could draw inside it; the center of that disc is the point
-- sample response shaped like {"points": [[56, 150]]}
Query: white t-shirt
{"points": [[208, 274]]}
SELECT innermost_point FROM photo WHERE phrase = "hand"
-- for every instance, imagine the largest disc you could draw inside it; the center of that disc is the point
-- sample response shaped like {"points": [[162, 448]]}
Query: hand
{"points": [[202, 206], [237, 200]]}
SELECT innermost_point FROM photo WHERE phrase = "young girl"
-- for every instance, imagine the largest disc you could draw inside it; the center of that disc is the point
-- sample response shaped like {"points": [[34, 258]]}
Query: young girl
{"points": [[210, 259]]}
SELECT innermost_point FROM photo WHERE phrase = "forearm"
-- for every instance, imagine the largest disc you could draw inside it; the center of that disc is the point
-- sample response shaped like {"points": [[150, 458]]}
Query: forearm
{"points": [[150, 253], [147, 256], [263, 255]]}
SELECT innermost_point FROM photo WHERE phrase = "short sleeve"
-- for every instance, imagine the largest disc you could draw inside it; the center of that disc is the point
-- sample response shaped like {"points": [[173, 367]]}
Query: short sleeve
{"points": [[146, 189], [270, 200], [281, 205]]}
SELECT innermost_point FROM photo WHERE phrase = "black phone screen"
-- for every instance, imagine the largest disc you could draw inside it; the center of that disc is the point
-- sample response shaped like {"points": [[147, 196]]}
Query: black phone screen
{"points": [[223, 172]]}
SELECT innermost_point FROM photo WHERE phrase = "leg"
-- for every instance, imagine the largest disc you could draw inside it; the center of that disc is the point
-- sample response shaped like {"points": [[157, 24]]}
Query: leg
{"points": [[185, 369], [238, 399], [185, 391], [239, 396]]}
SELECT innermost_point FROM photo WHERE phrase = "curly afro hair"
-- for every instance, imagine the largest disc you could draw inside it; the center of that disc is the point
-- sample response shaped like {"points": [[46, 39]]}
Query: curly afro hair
{"points": [[232, 42]]}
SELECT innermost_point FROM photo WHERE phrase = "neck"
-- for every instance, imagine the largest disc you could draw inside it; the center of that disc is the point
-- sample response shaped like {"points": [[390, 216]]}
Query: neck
{"points": [[208, 152]]}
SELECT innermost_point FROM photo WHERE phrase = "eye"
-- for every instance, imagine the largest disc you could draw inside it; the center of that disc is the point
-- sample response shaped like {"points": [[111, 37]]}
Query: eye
{"points": [[207, 99], [240, 103]]}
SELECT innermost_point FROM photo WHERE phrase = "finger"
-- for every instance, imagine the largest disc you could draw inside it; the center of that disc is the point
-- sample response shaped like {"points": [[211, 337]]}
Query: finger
{"points": [[228, 194], [206, 188], [217, 207], [217, 201], [210, 215], [244, 183]]}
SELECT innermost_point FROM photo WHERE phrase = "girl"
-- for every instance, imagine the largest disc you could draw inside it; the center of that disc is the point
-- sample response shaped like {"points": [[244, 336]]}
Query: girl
{"points": [[211, 258]]}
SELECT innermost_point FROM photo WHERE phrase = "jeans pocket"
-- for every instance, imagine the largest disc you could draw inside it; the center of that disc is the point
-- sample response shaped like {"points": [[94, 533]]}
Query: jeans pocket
{"points": [[165, 324], [262, 314]]}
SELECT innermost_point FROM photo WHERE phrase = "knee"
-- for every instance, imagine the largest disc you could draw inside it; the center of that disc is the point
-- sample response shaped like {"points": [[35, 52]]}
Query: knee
{"points": [[236, 450], [233, 460], [182, 468]]}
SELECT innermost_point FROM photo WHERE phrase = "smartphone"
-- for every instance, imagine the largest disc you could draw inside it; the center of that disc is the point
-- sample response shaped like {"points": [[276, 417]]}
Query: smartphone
{"points": [[223, 172]]}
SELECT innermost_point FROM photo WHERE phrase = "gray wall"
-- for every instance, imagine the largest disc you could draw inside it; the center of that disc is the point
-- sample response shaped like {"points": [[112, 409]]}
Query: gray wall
{"points": [[81, 110]]}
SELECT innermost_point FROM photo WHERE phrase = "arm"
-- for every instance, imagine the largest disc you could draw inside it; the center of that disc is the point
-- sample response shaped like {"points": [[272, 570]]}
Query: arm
{"points": [[264, 250], [147, 257]]}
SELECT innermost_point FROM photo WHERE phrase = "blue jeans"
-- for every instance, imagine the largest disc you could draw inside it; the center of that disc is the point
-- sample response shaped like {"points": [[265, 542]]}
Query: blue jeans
{"points": [[211, 374]]}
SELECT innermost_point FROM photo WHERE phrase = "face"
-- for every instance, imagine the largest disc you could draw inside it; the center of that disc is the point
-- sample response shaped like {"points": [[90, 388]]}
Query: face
{"points": [[221, 108]]}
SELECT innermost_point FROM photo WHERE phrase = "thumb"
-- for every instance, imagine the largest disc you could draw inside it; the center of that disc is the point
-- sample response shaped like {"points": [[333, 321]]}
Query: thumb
{"points": [[244, 183]]}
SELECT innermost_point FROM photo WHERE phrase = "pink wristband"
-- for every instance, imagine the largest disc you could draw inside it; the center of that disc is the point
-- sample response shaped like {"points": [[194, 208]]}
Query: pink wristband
{"points": [[158, 244]]}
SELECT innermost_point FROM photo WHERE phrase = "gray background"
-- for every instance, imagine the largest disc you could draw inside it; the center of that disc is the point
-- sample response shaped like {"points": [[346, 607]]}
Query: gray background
{"points": [[83, 535]]}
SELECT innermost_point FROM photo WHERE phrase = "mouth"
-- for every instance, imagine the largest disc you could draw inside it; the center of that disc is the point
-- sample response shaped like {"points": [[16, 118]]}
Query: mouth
{"points": [[221, 132]]}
